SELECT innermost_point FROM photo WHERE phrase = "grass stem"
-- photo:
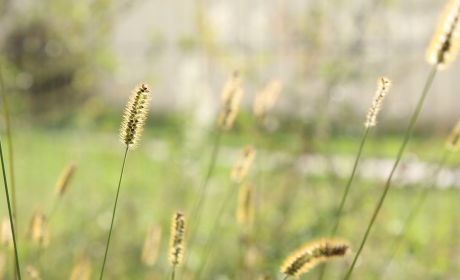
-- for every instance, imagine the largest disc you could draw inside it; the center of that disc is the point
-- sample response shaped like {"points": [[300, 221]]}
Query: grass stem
{"points": [[10, 212], [10, 150], [195, 216], [113, 214], [215, 229], [345, 194], [413, 213], [407, 136]]}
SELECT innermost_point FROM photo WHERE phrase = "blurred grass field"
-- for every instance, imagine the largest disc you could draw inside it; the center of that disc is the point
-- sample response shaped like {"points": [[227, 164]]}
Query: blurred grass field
{"points": [[162, 176]]}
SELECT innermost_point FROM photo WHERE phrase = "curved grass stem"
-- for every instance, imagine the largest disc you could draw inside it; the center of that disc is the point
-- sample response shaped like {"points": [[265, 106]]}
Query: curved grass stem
{"points": [[195, 216], [407, 136], [113, 214], [345, 194], [215, 230], [10, 212], [413, 213]]}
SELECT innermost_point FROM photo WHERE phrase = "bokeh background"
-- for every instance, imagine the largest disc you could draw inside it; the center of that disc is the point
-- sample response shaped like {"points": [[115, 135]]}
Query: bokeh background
{"points": [[69, 67]]}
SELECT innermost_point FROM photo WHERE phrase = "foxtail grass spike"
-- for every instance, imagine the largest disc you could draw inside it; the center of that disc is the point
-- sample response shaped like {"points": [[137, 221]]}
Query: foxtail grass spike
{"points": [[383, 87], [32, 273], [243, 163], [135, 116], [39, 229], [453, 141], [131, 128], [266, 98], [82, 270], [6, 237], [177, 239], [65, 178], [3, 261], [312, 254], [151, 245], [444, 45], [245, 209], [231, 99]]}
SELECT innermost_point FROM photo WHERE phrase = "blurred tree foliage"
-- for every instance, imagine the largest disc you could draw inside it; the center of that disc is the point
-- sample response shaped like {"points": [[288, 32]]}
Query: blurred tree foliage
{"points": [[55, 52]]}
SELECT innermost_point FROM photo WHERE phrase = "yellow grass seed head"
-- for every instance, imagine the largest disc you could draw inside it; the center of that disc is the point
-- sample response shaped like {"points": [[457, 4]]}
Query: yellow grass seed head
{"points": [[32, 273], [3, 261], [243, 163], [82, 270], [444, 45], [453, 141], [177, 239], [7, 237], [135, 116], [231, 99], [245, 209], [383, 87], [65, 178], [151, 245], [266, 98], [312, 254], [39, 229]]}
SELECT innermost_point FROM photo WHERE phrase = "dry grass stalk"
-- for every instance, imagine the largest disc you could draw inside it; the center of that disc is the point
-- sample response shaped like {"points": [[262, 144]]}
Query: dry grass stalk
{"points": [[266, 98], [151, 245], [245, 209], [243, 163], [82, 270], [444, 45], [452, 142], [312, 254], [32, 273], [135, 116], [383, 87], [7, 238], [65, 178], [231, 99], [39, 229], [177, 239]]}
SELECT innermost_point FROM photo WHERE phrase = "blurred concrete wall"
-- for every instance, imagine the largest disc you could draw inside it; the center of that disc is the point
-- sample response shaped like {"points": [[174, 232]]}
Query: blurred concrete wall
{"points": [[277, 38]]}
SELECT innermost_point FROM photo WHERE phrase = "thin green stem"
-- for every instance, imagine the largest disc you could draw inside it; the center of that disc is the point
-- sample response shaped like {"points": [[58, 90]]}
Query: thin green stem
{"points": [[10, 143], [345, 194], [173, 274], [215, 229], [195, 216], [10, 150], [10, 212], [287, 276], [113, 214], [407, 136], [413, 213]]}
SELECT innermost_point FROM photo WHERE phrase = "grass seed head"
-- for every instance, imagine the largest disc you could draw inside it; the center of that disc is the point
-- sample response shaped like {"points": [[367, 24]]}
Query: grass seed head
{"points": [[453, 141], [444, 45], [3, 261], [231, 99], [312, 254], [6, 236], [243, 163], [177, 239], [39, 229], [245, 209], [151, 245], [266, 98], [383, 86], [32, 273], [135, 116], [82, 270], [65, 178]]}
